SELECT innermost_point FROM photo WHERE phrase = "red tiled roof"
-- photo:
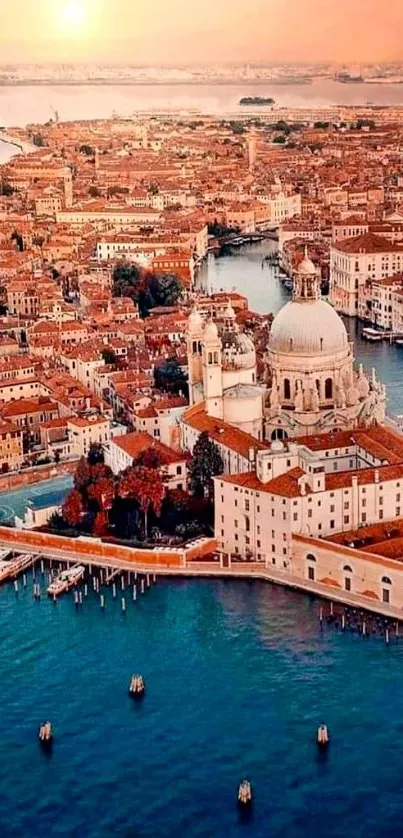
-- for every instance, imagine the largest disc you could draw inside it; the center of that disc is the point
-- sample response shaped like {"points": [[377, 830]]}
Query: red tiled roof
{"points": [[135, 443], [222, 432]]}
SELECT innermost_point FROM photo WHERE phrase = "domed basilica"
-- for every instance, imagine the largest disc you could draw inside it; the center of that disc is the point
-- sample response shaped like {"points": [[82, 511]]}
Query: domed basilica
{"points": [[313, 385]]}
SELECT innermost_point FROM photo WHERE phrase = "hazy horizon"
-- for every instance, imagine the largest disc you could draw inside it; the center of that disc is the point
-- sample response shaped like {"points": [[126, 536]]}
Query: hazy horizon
{"points": [[231, 31]]}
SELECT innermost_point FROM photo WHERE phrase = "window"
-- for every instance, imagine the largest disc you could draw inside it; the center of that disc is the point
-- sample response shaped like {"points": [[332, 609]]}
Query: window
{"points": [[311, 573], [385, 595], [328, 388], [346, 519], [347, 583], [332, 524], [310, 557], [386, 580], [287, 388], [179, 469], [247, 505], [247, 524]]}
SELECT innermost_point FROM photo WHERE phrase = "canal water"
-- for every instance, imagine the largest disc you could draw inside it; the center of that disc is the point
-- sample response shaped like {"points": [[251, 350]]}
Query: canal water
{"points": [[242, 270], [238, 677]]}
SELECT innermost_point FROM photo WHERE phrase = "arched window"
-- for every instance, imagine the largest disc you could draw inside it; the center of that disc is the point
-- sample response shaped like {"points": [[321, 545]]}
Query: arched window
{"points": [[310, 557], [210, 358], [287, 388], [194, 346], [279, 433], [216, 357], [328, 388], [386, 580], [317, 383], [347, 568]]}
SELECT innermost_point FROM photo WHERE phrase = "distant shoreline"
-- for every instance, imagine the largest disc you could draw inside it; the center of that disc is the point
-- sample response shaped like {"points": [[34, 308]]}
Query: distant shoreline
{"points": [[151, 82]]}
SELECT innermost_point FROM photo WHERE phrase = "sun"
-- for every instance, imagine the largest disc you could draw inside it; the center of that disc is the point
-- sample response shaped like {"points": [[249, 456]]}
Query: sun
{"points": [[73, 14]]}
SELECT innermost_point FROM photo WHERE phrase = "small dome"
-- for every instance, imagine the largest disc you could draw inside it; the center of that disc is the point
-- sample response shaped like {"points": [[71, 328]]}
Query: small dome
{"points": [[308, 328], [238, 349], [229, 313], [210, 331], [277, 445], [195, 320], [306, 267]]}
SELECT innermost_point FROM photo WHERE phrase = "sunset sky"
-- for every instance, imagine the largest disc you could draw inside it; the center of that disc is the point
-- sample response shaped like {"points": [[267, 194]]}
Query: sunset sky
{"points": [[176, 31]]}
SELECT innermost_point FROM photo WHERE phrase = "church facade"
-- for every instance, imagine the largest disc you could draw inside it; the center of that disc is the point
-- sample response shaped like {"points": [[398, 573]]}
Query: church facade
{"points": [[312, 386]]}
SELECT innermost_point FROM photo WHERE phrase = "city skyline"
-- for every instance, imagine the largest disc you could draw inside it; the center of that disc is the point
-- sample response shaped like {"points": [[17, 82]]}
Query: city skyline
{"points": [[96, 30]]}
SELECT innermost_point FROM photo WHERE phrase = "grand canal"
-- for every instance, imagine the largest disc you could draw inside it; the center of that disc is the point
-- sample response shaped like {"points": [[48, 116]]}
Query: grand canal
{"points": [[238, 677]]}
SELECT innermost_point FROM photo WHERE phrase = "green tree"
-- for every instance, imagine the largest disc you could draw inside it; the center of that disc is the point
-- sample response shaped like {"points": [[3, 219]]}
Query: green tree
{"points": [[109, 355], [87, 150], [95, 454], [38, 140], [127, 280], [165, 289], [170, 378], [205, 464], [6, 189], [112, 191]]}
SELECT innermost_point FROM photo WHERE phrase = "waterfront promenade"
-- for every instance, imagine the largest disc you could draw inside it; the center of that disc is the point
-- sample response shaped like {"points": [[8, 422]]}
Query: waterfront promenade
{"points": [[188, 561]]}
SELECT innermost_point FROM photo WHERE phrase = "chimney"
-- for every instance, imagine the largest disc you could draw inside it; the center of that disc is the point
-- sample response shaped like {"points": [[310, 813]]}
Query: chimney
{"points": [[251, 454], [376, 475]]}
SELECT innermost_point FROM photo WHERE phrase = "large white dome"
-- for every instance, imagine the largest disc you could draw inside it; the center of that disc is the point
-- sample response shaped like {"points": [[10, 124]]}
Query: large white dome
{"points": [[308, 328]]}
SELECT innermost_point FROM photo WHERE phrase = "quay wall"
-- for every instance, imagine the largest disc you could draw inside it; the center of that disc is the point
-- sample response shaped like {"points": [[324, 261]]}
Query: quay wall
{"points": [[17, 479], [344, 569], [367, 571], [92, 550]]}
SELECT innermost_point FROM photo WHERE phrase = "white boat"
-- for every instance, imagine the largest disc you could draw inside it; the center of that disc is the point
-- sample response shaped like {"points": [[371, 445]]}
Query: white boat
{"points": [[372, 334], [12, 567], [67, 579]]}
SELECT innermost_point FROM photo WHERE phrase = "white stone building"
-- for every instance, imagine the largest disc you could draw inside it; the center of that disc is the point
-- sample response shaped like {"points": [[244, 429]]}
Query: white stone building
{"points": [[310, 359]]}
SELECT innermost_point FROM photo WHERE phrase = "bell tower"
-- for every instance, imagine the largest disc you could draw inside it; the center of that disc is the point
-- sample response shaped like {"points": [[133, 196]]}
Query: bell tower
{"points": [[212, 371], [194, 352]]}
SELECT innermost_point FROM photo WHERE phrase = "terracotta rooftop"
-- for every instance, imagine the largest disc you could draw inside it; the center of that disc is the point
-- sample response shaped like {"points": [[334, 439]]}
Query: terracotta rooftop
{"points": [[222, 432], [135, 443]]}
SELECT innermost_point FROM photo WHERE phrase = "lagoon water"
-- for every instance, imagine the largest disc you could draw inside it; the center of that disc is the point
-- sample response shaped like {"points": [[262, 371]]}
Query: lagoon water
{"points": [[20, 105], [238, 677]]}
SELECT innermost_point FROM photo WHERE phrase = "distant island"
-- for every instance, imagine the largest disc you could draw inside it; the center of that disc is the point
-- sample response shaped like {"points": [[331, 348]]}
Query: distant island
{"points": [[256, 100]]}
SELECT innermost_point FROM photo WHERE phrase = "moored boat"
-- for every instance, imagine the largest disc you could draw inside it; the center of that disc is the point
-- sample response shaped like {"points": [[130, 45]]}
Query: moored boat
{"points": [[12, 567], [67, 579], [372, 334]]}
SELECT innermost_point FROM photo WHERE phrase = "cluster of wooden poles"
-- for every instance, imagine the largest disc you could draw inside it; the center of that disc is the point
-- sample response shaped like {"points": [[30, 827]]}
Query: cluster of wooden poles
{"points": [[124, 584], [358, 621]]}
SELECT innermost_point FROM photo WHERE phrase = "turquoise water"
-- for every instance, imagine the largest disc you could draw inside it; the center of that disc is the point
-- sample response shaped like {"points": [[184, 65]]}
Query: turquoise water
{"points": [[238, 677], [48, 492]]}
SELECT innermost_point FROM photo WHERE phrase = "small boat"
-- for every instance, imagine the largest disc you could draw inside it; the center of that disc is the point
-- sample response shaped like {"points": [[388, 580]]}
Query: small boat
{"points": [[45, 733], [137, 686], [245, 793], [9, 568], [67, 579], [399, 341], [323, 738], [372, 334]]}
